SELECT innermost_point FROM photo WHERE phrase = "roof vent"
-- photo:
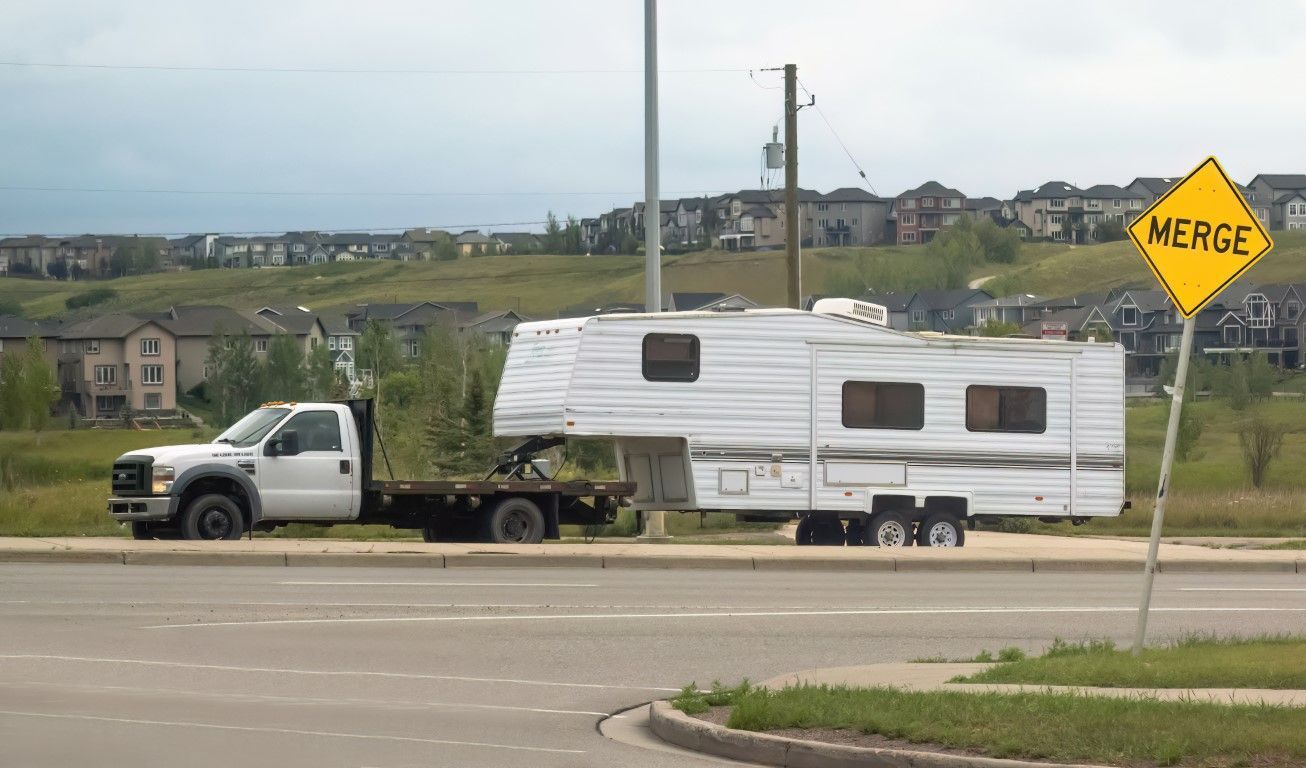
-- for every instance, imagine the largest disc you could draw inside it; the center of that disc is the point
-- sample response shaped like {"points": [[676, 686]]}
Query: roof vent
{"points": [[862, 311]]}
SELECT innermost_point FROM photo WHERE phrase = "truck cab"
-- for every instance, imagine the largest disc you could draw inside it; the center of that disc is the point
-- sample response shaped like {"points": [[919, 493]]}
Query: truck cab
{"points": [[283, 462]]}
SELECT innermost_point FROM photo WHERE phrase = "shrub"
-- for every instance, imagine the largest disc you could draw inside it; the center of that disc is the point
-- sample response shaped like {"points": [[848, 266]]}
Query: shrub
{"points": [[90, 298], [1261, 441]]}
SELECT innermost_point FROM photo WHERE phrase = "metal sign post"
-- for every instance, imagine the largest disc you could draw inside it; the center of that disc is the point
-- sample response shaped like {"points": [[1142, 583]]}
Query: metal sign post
{"points": [[1163, 485]]}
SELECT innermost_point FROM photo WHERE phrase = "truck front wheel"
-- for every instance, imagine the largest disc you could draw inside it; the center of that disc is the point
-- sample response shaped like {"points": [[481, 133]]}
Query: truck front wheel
{"points": [[213, 516], [515, 521]]}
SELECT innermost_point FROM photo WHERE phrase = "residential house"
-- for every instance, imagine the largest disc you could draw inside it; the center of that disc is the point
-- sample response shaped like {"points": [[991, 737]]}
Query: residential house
{"points": [[609, 308], [1265, 318], [1279, 200], [231, 252], [848, 216], [944, 311], [192, 328], [1018, 309], [985, 208], [33, 254], [706, 302], [15, 332], [495, 328], [342, 343], [117, 362], [686, 228], [895, 304], [303, 248], [518, 242], [920, 213], [589, 234], [1063, 212], [473, 243], [754, 218], [408, 323], [192, 250], [1151, 187], [299, 322], [426, 242]]}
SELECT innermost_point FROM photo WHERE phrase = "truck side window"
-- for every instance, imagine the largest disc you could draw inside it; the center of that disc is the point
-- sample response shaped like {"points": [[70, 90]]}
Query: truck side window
{"points": [[670, 357], [883, 405], [1006, 409], [318, 430]]}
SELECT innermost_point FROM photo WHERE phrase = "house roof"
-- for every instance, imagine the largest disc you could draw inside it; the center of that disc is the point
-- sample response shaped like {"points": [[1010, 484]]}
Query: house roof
{"points": [[892, 301], [932, 188], [948, 299], [1111, 191], [518, 241], [186, 321], [1056, 189], [1146, 301], [1074, 318], [685, 301], [1157, 185], [1286, 196], [487, 316], [981, 203], [337, 325], [850, 195], [472, 237], [771, 196], [760, 212], [1015, 300], [423, 235], [113, 326], [14, 327], [27, 241], [294, 320], [1282, 180]]}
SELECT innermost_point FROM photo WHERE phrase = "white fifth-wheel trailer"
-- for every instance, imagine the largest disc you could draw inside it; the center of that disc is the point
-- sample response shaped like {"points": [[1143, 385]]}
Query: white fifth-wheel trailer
{"points": [[865, 434]]}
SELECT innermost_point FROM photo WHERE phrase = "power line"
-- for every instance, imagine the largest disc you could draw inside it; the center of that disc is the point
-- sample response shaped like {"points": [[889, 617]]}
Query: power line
{"points": [[356, 71], [835, 133], [328, 193], [283, 231]]}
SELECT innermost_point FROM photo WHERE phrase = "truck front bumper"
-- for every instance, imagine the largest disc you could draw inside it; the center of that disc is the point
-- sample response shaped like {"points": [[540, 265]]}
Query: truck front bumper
{"points": [[127, 509]]}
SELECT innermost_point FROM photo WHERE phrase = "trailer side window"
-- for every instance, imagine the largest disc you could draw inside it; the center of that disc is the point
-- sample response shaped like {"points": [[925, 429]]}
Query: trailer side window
{"points": [[883, 405], [1006, 409], [671, 357]]}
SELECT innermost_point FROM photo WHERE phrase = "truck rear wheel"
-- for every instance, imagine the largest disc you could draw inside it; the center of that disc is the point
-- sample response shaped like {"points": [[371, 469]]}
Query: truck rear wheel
{"points": [[213, 516], [515, 521], [941, 529]]}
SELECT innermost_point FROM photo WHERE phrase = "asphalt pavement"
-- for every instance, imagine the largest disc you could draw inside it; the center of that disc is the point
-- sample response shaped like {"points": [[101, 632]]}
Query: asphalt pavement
{"points": [[113, 665]]}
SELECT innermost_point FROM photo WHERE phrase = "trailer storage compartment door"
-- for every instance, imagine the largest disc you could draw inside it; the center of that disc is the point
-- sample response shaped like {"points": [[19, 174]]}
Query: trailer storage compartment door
{"points": [[659, 467]]}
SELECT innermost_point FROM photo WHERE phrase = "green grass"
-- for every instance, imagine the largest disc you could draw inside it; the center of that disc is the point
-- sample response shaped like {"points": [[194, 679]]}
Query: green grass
{"points": [[536, 285], [1058, 727], [1196, 662]]}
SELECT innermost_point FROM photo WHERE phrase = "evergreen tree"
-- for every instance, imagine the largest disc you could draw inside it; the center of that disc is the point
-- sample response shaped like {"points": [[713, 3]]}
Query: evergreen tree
{"points": [[235, 377], [13, 411], [553, 239], [321, 374], [40, 390]]}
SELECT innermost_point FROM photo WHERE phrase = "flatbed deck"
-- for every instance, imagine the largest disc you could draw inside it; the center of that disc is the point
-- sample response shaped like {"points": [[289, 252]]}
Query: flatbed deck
{"points": [[577, 488]]}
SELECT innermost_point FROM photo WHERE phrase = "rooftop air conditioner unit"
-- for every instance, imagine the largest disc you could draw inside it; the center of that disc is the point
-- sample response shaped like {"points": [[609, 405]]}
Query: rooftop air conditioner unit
{"points": [[862, 311]]}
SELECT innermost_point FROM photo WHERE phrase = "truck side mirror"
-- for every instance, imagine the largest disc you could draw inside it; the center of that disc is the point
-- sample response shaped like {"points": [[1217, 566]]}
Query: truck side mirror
{"points": [[285, 444]]}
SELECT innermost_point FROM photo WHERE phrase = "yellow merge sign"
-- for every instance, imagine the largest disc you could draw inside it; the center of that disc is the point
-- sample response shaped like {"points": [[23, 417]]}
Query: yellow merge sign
{"points": [[1199, 237]]}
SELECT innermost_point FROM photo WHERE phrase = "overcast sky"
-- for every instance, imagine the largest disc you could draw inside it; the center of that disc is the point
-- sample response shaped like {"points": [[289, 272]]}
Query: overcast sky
{"points": [[987, 97]]}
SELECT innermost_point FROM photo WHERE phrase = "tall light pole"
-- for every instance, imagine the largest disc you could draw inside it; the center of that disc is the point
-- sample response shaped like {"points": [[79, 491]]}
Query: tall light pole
{"points": [[655, 525]]}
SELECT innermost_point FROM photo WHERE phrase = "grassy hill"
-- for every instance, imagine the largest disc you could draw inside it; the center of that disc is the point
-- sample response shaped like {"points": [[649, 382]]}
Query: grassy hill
{"points": [[541, 285]]}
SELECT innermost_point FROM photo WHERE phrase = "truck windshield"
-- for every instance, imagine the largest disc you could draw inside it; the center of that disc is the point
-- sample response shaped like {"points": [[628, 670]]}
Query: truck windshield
{"points": [[251, 429]]}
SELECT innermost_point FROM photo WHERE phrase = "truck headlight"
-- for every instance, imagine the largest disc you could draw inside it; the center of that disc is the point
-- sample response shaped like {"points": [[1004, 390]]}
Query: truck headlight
{"points": [[162, 480]]}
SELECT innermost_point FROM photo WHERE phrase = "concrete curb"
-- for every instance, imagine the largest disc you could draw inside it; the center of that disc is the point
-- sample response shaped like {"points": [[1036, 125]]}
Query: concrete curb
{"points": [[676, 727], [707, 561]]}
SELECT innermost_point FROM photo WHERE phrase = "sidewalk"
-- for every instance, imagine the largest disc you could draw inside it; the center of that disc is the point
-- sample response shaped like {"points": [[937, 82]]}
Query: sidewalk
{"points": [[984, 551]]}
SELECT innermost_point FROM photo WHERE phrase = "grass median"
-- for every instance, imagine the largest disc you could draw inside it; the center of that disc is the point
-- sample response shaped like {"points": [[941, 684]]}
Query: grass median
{"points": [[1058, 727], [1196, 662]]}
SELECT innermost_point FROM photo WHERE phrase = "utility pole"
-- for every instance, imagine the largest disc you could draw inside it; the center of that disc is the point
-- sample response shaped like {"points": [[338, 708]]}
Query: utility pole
{"points": [[655, 521], [793, 236]]}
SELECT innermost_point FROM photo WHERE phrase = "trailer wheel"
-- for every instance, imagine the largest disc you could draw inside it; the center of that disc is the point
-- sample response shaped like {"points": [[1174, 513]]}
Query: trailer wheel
{"points": [[889, 529], [803, 533], [941, 529], [515, 521], [212, 516]]}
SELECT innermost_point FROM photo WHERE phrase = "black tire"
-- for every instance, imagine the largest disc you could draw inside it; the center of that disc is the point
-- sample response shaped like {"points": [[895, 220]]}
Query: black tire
{"points": [[212, 517], [514, 521], [855, 535], [430, 531], [828, 533], [803, 533], [141, 530], [941, 529], [889, 529]]}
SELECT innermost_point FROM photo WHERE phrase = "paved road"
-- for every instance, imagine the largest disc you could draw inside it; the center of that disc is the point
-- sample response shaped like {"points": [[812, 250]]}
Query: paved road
{"points": [[205, 666]]}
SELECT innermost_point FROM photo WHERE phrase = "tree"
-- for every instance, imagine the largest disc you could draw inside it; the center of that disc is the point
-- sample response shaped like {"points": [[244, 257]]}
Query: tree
{"points": [[1261, 441], [1101, 333], [13, 410], [40, 389], [1245, 380], [377, 350], [320, 374], [1109, 230], [477, 436], [235, 377], [571, 237], [956, 249], [446, 250], [10, 307], [134, 257], [553, 239], [629, 244], [58, 270], [285, 371], [711, 221], [997, 245]]}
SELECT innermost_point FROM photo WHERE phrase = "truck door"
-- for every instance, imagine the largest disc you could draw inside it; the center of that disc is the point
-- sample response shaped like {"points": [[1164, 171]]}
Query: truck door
{"points": [[317, 481]]}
